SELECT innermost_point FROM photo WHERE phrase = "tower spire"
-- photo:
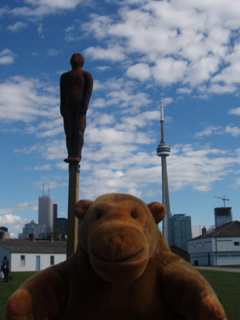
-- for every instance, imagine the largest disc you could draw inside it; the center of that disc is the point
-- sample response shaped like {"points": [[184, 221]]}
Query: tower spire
{"points": [[163, 151]]}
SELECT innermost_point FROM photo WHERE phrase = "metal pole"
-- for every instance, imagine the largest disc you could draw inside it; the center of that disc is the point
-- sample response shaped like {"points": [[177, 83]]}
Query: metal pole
{"points": [[73, 197]]}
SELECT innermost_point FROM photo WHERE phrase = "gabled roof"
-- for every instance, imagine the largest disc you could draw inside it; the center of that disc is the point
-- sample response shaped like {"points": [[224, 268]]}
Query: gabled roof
{"points": [[230, 229], [36, 246]]}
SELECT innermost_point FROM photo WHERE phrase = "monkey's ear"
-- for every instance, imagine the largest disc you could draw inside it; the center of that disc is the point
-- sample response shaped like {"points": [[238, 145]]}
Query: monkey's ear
{"points": [[158, 211], [81, 207]]}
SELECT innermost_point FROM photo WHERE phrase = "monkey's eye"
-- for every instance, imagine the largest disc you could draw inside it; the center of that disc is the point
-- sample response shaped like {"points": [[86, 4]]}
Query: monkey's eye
{"points": [[99, 214], [134, 214]]}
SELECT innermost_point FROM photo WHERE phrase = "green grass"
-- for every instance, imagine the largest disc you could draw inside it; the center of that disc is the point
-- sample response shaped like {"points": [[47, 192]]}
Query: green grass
{"points": [[227, 288], [6, 289], [225, 284]]}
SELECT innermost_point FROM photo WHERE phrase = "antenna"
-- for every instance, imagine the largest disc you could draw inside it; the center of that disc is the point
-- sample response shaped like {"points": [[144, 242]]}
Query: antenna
{"points": [[43, 189], [222, 198], [161, 108]]}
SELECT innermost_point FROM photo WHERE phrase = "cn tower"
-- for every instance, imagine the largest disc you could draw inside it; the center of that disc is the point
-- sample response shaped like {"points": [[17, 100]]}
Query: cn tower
{"points": [[163, 151]]}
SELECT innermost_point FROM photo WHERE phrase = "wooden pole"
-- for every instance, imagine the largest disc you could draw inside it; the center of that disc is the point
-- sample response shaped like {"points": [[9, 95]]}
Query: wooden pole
{"points": [[73, 197]]}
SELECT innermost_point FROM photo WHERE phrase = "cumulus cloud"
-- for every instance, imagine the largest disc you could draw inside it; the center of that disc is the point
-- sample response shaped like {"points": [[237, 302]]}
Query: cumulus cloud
{"points": [[112, 53], [187, 42], [17, 26], [7, 57], [129, 169], [21, 100], [210, 130], [235, 111], [233, 130], [39, 8], [10, 219]]}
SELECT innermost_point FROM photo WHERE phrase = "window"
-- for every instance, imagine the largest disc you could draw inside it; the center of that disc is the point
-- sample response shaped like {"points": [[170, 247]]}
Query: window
{"points": [[236, 243], [52, 260], [22, 261]]}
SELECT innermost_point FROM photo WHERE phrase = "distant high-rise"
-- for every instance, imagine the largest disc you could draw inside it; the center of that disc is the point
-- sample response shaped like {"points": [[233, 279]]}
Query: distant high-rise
{"points": [[40, 231], [180, 231], [55, 215], [222, 215], [45, 212], [163, 151]]}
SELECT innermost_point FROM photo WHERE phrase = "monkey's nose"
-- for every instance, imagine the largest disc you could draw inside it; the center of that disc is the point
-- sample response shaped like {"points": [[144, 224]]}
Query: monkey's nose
{"points": [[115, 241]]}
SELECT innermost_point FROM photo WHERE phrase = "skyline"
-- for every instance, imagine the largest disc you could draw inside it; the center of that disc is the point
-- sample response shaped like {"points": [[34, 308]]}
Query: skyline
{"points": [[134, 49]]}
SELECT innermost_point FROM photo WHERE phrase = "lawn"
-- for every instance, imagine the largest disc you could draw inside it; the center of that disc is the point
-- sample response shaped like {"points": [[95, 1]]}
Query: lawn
{"points": [[6, 289], [225, 284], [227, 287]]}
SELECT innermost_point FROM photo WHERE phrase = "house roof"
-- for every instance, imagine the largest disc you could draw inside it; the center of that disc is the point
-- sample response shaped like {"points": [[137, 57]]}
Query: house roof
{"points": [[180, 252], [37, 246], [230, 229]]}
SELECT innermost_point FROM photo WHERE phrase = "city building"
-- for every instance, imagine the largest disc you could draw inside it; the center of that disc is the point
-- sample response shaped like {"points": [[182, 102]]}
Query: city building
{"points": [[222, 215], [180, 231], [45, 212], [163, 151], [61, 224], [32, 227], [55, 215], [4, 234], [32, 255], [217, 247]]}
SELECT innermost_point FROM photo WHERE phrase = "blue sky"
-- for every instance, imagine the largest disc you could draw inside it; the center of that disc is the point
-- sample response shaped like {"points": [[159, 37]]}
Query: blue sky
{"points": [[189, 49]]}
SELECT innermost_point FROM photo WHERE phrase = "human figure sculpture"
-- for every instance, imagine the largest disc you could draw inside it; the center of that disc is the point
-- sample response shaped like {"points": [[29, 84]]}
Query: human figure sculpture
{"points": [[75, 93]]}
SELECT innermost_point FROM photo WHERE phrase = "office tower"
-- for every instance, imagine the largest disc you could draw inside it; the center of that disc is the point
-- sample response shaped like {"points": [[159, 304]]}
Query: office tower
{"points": [[163, 151], [180, 231], [45, 212]]}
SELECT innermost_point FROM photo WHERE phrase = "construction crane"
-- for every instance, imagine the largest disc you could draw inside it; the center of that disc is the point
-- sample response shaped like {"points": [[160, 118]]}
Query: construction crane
{"points": [[224, 200]]}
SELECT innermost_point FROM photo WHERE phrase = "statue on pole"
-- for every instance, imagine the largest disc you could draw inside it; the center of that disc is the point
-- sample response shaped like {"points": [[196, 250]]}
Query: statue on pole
{"points": [[75, 92]]}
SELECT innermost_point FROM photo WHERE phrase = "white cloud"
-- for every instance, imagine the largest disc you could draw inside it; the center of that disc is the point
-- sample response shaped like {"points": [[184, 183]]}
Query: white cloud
{"points": [[112, 53], [43, 167], [53, 52], [235, 111], [189, 42], [233, 130], [7, 57], [169, 70], [38, 8], [17, 26], [210, 130], [32, 205], [127, 168], [140, 71], [10, 219], [21, 100]]}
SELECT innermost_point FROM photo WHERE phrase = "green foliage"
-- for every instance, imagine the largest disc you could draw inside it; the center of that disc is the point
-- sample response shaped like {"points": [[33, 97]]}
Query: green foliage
{"points": [[225, 284], [56, 235]]}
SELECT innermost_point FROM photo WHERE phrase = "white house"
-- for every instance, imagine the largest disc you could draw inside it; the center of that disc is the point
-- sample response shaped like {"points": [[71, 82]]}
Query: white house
{"points": [[32, 255], [218, 247]]}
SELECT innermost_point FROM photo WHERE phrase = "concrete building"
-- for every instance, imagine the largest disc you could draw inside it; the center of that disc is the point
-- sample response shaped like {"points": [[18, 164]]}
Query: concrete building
{"points": [[45, 212], [32, 255], [218, 247], [163, 151], [180, 231], [222, 215]]}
